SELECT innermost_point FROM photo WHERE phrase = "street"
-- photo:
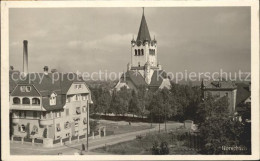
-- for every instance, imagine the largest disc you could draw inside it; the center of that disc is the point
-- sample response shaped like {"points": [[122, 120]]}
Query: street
{"points": [[17, 148]]}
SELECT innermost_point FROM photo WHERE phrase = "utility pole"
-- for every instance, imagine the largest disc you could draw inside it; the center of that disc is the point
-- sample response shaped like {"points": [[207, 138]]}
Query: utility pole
{"points": [[165, 117], [159, 120], [87, 123]]}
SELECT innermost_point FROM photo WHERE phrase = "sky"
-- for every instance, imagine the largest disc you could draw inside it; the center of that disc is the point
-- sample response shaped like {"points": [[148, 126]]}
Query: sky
{"points": [[195, 39]]}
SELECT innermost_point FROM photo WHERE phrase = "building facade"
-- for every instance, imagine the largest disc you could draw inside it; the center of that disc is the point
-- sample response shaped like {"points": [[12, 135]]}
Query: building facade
{"points": [[50, 110], [238, 94], [48, 106]]}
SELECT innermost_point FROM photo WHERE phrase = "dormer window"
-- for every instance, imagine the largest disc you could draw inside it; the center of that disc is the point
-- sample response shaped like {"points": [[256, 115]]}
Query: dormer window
{"points": [[78, 86], [25, 88], [28, 88], [53, 99]]}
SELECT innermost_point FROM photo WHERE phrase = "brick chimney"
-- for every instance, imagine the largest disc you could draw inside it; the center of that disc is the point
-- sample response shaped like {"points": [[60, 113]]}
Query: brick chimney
{"points": [[25, 57], [45, 70]]}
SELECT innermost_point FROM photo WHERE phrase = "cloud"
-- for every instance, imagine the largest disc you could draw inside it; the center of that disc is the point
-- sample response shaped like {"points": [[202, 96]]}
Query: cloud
{"points": [[107, 43]]}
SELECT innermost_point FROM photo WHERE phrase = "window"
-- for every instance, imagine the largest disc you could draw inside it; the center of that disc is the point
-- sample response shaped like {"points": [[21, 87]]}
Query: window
{"points": [[68, 135], [58, 127], [85, 121], [23, 88], [76, 121], [66, 125], [57, 114], [68, 99], [142, 51], [78, 111], [135, 52], [28, 88], [53, 99], [26, 101], [35, 115], [16, 100], [67, 112], [77, 97], [43, 115], [139, 64], [36, 101], [15, 114], [34, 130], [22, 114], [84, 109], [22, 128], [84, 97], [79, 86], [138, 52]]}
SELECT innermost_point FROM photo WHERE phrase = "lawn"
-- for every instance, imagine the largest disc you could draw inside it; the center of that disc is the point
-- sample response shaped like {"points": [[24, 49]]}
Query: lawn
{"points": [[143, 146], [123, 127]]}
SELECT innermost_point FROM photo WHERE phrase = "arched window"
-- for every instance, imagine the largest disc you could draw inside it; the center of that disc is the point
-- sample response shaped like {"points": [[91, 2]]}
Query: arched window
{"points": [[16, 100], [142, 51], [138, 52], [26, 101], [139, 64], [135, 52], [35, 101]]}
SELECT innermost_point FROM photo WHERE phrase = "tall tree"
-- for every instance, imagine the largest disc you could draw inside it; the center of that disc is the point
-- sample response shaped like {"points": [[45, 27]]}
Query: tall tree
{"points": [[218, 128]]}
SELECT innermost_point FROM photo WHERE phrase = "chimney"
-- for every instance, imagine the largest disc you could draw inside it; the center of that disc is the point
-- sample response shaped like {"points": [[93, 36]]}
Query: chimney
{"points": [[45, 70], [25, 57]]}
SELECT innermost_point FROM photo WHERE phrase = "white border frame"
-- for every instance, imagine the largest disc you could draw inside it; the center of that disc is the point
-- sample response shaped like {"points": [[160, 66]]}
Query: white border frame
{"points": [[79, 4]]}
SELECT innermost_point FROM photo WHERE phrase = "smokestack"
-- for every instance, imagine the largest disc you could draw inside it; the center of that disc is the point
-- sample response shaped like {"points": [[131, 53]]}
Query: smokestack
{"points": [[25, 57]]}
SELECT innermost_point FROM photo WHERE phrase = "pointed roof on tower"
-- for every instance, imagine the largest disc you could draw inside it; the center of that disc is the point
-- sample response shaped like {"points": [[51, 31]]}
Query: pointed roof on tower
{"points": [[143, 33]]}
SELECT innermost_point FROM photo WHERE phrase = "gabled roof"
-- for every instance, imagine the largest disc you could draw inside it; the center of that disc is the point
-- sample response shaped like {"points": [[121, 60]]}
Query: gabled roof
{"points": [[13, 79], [52, 82], [157, 78], [143, 33], [243, 93], [220, 85], [46, 84], [134, 76]]}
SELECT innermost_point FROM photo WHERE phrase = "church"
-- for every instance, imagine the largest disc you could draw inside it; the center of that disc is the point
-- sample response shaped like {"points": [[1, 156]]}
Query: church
{"points": [[144, 69]]}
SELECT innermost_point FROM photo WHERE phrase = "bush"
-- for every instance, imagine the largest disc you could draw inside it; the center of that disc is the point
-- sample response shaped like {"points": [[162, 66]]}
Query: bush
{"points": [[163, 149]]}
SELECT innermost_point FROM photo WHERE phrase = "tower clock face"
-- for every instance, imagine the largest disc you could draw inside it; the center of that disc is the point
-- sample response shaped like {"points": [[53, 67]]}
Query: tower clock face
{"points": [[139, 43]]}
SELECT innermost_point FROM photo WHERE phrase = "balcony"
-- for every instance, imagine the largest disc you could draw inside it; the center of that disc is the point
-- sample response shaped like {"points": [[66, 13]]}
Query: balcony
{"points": [[46, 122]]}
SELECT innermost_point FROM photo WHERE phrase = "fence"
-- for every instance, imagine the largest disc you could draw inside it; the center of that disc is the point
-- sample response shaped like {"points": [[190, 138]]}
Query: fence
{"points": [[189, 139]]}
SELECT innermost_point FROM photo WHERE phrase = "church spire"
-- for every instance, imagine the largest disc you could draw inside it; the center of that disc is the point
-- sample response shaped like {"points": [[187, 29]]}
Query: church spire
{"points": [[143, 34]]}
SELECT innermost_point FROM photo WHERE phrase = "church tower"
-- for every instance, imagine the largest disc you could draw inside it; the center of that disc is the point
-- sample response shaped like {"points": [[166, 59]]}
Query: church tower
{"points": [[144, 67], [143, 49]]}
